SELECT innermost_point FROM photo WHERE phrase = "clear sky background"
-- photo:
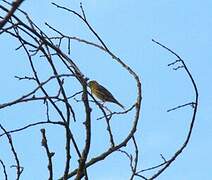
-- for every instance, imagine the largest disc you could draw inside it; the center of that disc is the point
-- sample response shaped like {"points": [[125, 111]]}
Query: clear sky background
{"points": [[127, 28]]}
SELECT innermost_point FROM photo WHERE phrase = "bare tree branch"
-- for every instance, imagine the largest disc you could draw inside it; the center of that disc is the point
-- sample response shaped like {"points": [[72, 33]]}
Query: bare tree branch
{"points": [[49, 154], [4, 169], [180, 150], [18, 167], [10, 13]]}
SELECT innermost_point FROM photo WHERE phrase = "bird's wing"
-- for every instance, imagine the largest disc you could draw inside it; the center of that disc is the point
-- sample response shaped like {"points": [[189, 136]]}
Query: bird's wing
{"points": [[107, 95]]}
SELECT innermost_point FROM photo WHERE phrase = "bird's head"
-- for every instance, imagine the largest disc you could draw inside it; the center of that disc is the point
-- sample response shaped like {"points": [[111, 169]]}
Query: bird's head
{"points": [[92, 83]]}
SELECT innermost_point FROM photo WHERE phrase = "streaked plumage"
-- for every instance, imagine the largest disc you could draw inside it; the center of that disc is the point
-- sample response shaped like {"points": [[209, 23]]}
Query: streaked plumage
{"points": [[102, 93]]}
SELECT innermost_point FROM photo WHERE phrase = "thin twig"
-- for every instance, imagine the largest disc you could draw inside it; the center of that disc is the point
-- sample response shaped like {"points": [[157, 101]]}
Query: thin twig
{"points": [[192, 104]]}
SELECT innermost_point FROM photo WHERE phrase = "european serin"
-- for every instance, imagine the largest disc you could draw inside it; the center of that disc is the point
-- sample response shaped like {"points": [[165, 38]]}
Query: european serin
{"points": [[102, 93]]}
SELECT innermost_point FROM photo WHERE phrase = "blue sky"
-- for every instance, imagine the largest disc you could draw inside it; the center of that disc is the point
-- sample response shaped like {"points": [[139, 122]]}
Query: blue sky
{"points": [[127, 27]]}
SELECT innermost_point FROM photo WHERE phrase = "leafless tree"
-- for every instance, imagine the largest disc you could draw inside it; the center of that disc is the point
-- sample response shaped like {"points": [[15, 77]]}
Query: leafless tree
{"points": [[39, 45]]}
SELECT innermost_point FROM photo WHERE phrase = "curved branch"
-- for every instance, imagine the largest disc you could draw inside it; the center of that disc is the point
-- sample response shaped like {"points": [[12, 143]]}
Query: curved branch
{"points": [[180, 150]]}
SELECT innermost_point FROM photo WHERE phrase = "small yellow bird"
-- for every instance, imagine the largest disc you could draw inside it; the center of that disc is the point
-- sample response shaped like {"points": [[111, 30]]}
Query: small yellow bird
{"points": [[102, 93]]}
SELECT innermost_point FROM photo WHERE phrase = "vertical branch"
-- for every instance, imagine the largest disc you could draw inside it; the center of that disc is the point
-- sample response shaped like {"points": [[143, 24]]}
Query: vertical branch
{"points": [[48, 153], [68, 153], [82, 168], [134, 167], [4, 169], [18, 167]]}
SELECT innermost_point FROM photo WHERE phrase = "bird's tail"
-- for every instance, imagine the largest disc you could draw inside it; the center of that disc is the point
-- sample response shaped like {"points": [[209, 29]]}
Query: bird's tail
{"points": [[120, 104]]}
